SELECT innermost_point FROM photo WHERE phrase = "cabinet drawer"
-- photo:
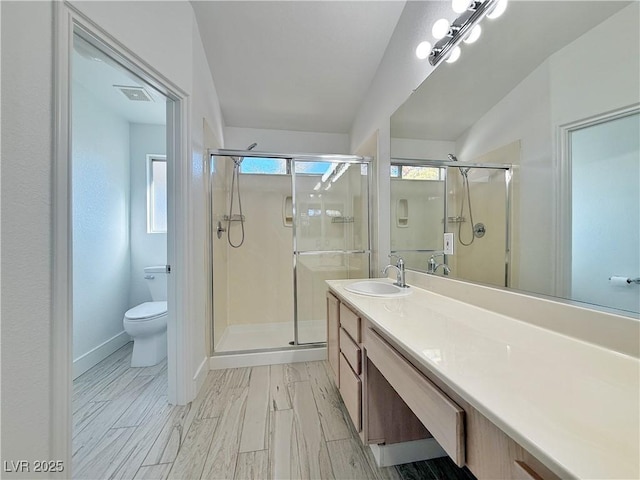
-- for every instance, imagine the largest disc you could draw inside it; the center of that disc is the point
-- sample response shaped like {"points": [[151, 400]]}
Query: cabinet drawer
{"points": [[351, 391], [351, 352], [443, 418], [350, 322]]}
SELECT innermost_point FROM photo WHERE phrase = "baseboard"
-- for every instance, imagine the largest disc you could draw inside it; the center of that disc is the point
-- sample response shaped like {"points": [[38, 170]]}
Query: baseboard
{"points": [[406, 452], [201, 375], [99, 353], [267, 358]]}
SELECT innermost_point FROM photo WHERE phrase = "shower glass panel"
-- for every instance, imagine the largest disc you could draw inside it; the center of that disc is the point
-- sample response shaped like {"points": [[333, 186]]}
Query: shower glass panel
{"points": [[253, 283], [417, 208], [477, 215], [331, 236]]}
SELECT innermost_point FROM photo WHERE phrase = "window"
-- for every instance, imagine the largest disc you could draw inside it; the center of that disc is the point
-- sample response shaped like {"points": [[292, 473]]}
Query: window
{"points": [[409, 172], [156, 194], [265, 166]]}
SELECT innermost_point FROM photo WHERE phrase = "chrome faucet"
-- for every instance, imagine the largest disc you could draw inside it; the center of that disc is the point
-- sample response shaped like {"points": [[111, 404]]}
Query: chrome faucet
{"points": [[399, 266], [433, 265]]}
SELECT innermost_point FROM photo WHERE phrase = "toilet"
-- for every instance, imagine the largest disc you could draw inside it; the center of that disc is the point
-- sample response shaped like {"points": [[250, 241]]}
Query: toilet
{"points": [[146, 323]]}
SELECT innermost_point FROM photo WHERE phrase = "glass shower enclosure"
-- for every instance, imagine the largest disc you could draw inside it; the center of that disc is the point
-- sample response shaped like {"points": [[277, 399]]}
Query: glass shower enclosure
{"points": [[303, 219], [470, 201]]}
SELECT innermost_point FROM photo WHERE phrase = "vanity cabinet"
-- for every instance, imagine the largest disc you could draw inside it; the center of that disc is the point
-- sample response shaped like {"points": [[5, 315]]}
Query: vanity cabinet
{"points": [[378, 413], [467, 436], [392, 399]]}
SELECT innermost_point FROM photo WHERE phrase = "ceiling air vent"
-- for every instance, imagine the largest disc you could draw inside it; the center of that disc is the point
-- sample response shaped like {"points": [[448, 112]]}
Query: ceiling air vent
{"points": [[135, 94]]}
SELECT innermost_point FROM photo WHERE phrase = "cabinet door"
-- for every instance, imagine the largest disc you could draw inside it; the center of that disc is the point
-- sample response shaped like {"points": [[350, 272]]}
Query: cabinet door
{"points": [[333, 328]]}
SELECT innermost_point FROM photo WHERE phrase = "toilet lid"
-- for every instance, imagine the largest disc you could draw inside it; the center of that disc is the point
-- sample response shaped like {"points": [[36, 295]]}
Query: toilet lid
{"points": [[146, 310]]}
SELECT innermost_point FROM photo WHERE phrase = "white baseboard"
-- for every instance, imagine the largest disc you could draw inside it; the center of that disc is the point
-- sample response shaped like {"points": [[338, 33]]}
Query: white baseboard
{"points": [[201, 375], [406, 452], [99, 353], [267, 358]]}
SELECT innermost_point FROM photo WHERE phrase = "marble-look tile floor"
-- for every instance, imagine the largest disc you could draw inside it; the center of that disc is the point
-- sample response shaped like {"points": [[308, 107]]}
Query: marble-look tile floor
{"points": [[269, 422]]}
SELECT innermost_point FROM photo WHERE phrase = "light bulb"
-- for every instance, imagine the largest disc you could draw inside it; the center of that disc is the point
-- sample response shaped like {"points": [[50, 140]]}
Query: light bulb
{"points": [[498, 10], [474, 34], [460, 6], [423, 50], [454, 55], [440, 28]]}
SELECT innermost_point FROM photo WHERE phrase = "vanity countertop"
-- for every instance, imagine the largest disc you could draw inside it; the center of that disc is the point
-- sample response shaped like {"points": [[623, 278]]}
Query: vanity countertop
{"points": [[572, 404]]}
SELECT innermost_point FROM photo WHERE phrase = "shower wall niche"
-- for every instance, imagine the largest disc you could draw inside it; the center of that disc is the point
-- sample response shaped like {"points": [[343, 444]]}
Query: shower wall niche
{"points": [[305, 220]]}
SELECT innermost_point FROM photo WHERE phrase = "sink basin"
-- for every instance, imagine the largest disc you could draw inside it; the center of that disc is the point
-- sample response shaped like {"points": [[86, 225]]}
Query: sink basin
{"points": [[375, 288]]}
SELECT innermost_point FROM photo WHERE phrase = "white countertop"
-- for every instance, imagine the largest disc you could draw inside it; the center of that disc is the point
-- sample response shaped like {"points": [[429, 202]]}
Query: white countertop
{"points": [[573, 405]]}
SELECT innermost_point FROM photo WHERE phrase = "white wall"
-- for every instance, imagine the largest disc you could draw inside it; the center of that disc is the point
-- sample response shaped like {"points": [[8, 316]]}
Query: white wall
{"points": [[147, 249], [26, 255], [286, 141], [421, 149], [101, 202], [27, 161]]}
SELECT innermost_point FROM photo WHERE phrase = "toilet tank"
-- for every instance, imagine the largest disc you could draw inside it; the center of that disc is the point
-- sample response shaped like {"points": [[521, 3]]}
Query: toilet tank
{"points": [[156, 278]]}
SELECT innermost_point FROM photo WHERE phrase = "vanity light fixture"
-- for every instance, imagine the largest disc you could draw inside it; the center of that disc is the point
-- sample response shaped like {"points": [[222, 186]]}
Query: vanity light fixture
{"points": [[464, 28]]}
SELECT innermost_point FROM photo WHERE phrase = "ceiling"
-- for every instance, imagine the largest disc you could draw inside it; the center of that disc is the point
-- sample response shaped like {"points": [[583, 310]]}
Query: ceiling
{"points": [[457, 95], [294, 65], [98, 74]]}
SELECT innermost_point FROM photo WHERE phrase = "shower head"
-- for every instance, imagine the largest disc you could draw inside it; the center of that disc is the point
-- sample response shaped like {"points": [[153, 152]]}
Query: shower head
{"points": [[463, 170], [238, 160]]}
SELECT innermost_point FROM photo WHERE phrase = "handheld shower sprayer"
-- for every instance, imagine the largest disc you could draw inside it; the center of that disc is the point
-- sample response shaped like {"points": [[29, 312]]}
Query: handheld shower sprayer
{"points": [[235, 191]]}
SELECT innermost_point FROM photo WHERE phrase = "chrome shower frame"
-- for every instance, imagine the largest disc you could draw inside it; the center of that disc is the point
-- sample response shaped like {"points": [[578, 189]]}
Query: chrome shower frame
{"points": [[508, 168], [291, 158]]}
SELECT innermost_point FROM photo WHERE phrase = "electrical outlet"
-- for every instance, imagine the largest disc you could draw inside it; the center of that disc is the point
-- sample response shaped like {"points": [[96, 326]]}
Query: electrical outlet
{"points": [[448, 243]]}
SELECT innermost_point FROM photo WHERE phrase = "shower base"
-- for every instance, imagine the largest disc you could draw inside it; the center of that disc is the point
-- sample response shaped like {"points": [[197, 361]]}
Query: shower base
{"points": [[239, 338]]}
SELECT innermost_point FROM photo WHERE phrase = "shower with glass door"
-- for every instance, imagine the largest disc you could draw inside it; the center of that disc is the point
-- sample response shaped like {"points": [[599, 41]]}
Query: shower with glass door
{"points": [[470, 201], [282, 224]]}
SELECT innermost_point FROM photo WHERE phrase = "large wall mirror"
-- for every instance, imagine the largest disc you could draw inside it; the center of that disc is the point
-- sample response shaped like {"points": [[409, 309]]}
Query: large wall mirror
{"points": [[526, 150]]}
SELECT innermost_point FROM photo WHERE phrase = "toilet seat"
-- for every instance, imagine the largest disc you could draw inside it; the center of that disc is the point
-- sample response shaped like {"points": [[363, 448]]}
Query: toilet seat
{"points": [[146, 311]]}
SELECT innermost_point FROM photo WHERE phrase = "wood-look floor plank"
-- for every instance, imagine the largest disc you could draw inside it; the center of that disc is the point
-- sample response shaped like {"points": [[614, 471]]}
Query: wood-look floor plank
{"points": [[295, 372], [279, 392], [154, 369], [222, 457], [333, 416], [253, 466], [283, 452], [255, 426], [312, 448], [86, 440], [153, 472], [85, 415], [117, 386], [86, 391], [167, 444], [103, 368], [141, 406], [131, 456], [214, 400], [98, 460], [193, 451], [348, 460]]}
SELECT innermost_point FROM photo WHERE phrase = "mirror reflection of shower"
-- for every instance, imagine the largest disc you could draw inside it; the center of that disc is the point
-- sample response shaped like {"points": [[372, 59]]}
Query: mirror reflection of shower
{"points": [[476, 231], [235, 191]]}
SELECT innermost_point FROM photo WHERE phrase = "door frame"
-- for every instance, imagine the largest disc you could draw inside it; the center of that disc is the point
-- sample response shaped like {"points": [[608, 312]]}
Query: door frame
{"points": [[563, 220], [67, 21]]}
